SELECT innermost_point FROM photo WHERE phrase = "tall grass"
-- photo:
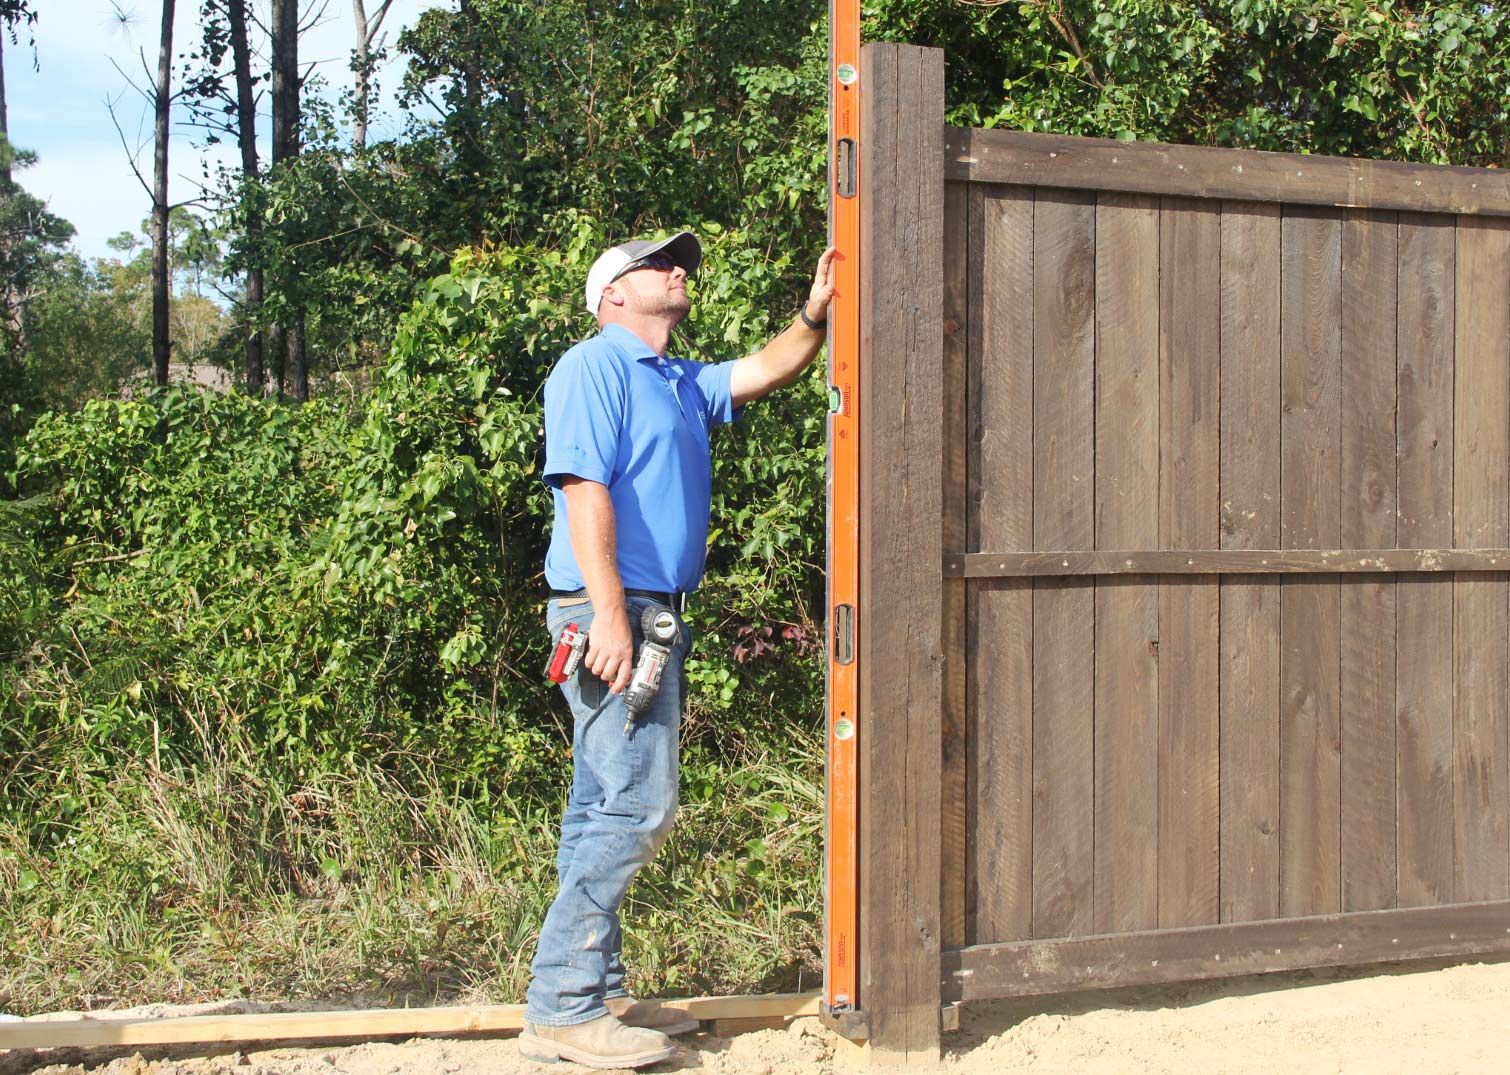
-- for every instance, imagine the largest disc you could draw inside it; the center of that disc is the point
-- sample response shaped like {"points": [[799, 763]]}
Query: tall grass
{"points": [[388, 881]]}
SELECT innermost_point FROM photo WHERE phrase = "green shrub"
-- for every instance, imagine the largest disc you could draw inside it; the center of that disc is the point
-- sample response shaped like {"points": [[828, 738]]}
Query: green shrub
{"points": [[229, 606]]}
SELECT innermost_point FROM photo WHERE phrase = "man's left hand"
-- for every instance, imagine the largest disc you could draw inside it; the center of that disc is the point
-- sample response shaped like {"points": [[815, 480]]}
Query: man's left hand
{"points": [[822, 292]]}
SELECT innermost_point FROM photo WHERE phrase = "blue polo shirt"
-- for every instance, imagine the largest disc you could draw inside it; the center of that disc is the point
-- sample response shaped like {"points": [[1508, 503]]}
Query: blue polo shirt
{"points": [[618, 414]]}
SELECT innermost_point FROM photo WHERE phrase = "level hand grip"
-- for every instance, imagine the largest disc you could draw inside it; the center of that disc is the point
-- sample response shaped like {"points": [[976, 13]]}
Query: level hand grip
{"points": [[845, 167]]}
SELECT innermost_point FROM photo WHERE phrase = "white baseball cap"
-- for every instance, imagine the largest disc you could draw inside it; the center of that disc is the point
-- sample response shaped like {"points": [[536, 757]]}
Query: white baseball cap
{"points": [[683, 248]]}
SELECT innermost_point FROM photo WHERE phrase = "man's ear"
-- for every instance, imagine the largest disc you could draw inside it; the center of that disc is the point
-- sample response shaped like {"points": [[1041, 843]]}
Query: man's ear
{"points": [[612, 295]]}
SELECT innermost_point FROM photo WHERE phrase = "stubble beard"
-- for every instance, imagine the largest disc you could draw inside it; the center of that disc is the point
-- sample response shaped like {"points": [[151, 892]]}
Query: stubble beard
{"points": [[674, 304]]}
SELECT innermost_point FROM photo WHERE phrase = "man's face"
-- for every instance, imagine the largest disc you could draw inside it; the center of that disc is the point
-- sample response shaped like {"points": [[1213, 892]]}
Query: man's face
{"points": [[655, 286]]}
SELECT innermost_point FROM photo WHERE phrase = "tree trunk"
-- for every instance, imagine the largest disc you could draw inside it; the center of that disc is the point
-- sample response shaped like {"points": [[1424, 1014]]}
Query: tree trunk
{"points": [[5, 176], [277, 354], [246, 135], [13, 306], [367, 31], [469, 148], [471, 64], [363, 70], [293, 369], [298, 366], [285, 42], [162, 100]]}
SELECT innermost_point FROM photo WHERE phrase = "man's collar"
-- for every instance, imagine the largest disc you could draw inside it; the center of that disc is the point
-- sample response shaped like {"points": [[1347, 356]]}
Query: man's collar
{"points": [[628, 342]]}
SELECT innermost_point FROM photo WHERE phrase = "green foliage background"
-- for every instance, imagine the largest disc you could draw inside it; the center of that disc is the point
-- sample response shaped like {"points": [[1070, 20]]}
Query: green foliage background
{"points": [[270, 713]]}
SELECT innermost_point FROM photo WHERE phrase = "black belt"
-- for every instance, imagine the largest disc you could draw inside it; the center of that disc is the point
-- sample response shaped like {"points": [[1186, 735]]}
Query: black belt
{"points": [[676, 600]]}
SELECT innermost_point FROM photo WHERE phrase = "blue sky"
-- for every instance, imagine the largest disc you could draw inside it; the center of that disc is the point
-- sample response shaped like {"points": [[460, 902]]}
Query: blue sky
{"points": [[59, 110]]}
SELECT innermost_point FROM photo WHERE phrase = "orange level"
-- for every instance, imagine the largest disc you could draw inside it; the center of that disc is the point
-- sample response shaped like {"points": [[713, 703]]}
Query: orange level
{"points": [[841, 900]]}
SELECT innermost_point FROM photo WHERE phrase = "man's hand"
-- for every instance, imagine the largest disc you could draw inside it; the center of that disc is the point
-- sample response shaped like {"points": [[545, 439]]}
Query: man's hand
{"points": [[610, 648], [822, 292]]}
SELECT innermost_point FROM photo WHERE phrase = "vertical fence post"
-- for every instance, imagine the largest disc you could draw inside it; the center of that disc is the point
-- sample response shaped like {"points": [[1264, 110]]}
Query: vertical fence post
{"points": [[901, 549]]}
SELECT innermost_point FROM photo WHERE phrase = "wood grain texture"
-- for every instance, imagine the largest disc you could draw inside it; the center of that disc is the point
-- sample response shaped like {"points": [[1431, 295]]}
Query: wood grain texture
{"points": [[1369, 508], [1127, 611], [1026, 969], [1423, 663], [1250, 603], [953, 788], [1064, 260], [1310, 793], [999, 644], [1189, 518], [1481, 516], [1061, 562], [899, 619], [91, 1031], [1003, 156]]}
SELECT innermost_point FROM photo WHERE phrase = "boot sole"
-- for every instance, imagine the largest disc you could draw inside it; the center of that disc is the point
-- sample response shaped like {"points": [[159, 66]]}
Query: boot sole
{"points": [[545, 1051]]}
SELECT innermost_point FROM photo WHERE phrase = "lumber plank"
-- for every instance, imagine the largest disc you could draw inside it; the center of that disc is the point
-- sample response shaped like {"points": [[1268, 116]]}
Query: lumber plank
{"points": [[1360, 937], [999, 641], [727, 1028], [900, 677], [104, 1030], [953, 788], [1064, 303], [1249, 687], [1481, 516], [1310, 802], [1127, 610], [1003, 156], [1424, 606], [1369, 508], [1189, 518]]}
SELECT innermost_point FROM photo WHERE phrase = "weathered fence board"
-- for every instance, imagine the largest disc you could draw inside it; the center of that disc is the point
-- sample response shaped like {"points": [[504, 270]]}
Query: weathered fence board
{"points": [[1310, 364], [999, 637], [1250, 603], [1002, 156], [1423, 629], [1173, 955], [1057, 562], [1189, 489], [1127, 610], [1481, 460], [899, 628], [953, 844], [1063, 517], [1368, 514]]}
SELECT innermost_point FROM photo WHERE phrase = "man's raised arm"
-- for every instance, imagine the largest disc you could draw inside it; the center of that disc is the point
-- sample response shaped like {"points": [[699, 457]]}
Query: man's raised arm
{"points": [[779, 362]]}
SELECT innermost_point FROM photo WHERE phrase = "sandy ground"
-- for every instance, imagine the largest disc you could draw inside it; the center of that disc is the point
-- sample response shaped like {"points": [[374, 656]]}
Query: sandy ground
{"points": [[1421, 1019]]}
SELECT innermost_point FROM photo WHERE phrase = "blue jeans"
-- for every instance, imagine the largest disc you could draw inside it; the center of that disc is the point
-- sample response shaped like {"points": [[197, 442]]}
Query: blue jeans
{"points": [[619, 812]]}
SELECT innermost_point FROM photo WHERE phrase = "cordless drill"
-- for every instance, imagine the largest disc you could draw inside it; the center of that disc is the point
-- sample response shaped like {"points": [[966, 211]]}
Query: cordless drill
{"points": [[658, 625]]}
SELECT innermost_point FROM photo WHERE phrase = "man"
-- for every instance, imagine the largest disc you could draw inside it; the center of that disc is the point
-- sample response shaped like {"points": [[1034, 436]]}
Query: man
{"points": [[626, 453]]}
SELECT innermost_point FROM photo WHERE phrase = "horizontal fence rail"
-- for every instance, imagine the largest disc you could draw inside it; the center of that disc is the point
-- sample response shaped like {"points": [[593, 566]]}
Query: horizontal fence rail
{"points": [[1036, 967], [1101, 164], [1005, 565]]}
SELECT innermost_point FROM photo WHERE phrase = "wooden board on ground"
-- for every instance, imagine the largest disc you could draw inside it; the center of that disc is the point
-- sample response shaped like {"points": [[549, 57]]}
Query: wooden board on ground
{"points": [[90, 1032]]}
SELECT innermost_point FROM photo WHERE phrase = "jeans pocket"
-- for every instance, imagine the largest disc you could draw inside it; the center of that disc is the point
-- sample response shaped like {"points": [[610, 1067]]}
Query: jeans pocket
{"points": [[590, 688], [557, 617]]}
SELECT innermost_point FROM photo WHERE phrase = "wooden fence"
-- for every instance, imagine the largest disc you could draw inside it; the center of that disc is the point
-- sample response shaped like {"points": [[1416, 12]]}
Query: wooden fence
{"points": [[1185, 544]]}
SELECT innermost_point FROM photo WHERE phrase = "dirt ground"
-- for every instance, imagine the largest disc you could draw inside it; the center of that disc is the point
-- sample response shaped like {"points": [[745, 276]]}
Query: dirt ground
{"points": [[1420, 1019]]}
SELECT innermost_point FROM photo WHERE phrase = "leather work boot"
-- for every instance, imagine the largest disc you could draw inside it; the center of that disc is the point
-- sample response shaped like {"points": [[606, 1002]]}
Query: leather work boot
{"points": [[651, 1016], [598, 1043]]}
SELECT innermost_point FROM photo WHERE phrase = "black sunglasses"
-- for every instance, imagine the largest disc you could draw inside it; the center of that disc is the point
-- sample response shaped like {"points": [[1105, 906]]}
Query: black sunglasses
{"points": [[657, 261]]}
